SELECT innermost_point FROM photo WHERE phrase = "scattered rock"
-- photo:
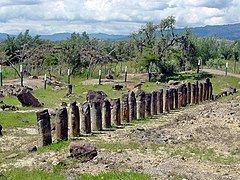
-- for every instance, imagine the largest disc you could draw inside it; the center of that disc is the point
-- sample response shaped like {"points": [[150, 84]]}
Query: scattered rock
{"points": [[173, 83], [27, 99], [96, 96], [6, 107], [33, 77], [109, 76], [82, 150], [1, 101], [117, 87], [32, 148]]}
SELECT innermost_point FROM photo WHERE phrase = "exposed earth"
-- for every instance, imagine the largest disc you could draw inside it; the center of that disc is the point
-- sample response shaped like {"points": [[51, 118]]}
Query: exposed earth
{"points": [[199, 142], [196, 142]]}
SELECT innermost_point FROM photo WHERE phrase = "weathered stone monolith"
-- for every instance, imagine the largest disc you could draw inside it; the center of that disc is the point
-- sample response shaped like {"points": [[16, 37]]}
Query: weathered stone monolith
{"points": [[125, 108], [210, 91], [196, 92], [160, 101], [148, 104], [96, 116], [207, 89], [189, 93], [69, 89], [44, 128], [193, 93], [85, 118], [154, 103], [166, 101], [180, 95], [106, 113], [140, 99], [116, 111], [74, 120], [184, 96], [175, 94], [200, 92], [61, 123], [132, 106], [171, 99]]}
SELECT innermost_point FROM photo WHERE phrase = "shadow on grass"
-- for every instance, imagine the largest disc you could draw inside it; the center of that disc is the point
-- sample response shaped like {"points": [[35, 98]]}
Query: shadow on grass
{"points": [[185, 76]]}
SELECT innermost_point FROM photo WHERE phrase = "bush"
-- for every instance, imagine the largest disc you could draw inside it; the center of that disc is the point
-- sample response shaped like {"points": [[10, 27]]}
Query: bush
{"points": [[215, 63]]}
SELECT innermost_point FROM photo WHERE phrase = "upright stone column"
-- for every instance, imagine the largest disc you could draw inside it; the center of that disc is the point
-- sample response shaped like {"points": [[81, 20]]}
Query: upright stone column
{"points": [[207, 89], [175, 94], [171, 99], [154, 103], [184, 92], [132, 106], [125, 108], [44, 128], [74, 120], [69, 89], [197, 92], [106, 114], [166, 101], [189, 93], [148, 104], [116, 112], [160, 101], [180, 95], [96, 116], [193, 100], [210, 91], [140, 98], [200, 92], [61, 131], [85, 118]]}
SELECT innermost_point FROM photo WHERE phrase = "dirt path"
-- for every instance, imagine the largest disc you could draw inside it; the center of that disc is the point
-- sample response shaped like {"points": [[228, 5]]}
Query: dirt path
{"points": [[219, 72]]}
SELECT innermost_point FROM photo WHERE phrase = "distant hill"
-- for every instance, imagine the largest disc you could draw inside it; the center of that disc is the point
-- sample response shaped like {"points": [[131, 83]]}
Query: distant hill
{"points": [[230, 32]]}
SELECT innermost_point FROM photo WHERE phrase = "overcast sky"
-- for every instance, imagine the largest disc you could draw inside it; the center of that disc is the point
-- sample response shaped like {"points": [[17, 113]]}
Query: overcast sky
{"points": [[111, 16]]}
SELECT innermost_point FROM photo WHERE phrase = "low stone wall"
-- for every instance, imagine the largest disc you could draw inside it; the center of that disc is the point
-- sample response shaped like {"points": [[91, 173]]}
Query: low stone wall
{"points": [[97, 116]]}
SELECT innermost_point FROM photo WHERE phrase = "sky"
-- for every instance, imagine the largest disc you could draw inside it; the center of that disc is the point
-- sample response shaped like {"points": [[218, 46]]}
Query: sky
{"points": [[111, 16]]}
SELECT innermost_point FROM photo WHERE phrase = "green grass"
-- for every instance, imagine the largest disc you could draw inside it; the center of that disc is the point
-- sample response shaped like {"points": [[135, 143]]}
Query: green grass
{"points": [[15, 119], [114, 175], [35, 174], [55, 146]]}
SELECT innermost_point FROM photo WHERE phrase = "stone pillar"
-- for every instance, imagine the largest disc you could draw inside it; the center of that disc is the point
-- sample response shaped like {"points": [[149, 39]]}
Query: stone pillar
{"points": [[85, 118], [171, 99], [197, 92], [207, 89], [180, 95], [193, 94], [184, 95], [189, 93], [74, 120], [200, 92], [69, 89], [132, 106], [61, 131], [44, 128], [210, 91], [106, 113], [160, 101], [116, 112], [175, 94], [148, 104], [166, 101], [96, 116], [140, 98], [154, 103], [125, 108]]}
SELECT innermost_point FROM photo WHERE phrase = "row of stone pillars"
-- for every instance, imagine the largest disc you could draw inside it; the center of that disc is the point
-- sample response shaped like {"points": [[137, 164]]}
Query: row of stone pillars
{"points": [[97, 116]]}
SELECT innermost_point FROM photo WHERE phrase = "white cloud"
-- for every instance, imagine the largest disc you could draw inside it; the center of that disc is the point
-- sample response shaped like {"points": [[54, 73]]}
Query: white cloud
{"points": [[110, 16]]}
